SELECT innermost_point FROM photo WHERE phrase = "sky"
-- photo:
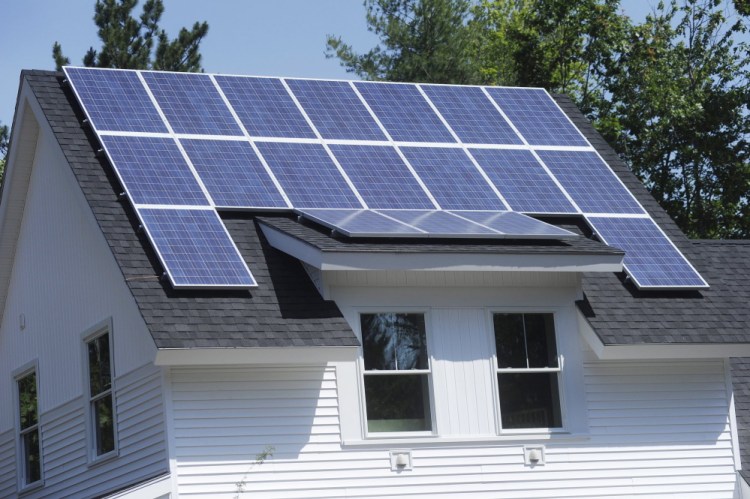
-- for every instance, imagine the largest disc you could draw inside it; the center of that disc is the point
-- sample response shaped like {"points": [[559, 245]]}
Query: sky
{"points": [[247, 37]]}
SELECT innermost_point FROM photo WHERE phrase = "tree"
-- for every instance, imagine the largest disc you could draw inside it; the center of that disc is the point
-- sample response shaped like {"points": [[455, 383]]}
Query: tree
{"points": [[3, 148], [138, 43]]}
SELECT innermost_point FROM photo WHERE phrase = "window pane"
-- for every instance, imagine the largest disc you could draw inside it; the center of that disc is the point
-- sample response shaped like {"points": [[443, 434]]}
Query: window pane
{"points": [[99, 369], [398, 403], [540, 340], [104, 425], [394, 341], [27, 400], [32, 464], [529, 400], [509, 342]]}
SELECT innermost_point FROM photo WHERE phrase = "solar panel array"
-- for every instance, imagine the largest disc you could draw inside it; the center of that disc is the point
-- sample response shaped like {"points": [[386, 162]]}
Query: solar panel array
{"points": [[364, 158]]}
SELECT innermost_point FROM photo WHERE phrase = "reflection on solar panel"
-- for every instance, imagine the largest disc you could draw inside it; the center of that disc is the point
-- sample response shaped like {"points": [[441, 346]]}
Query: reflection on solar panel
{"points": [[440, 223], [512, 223], [361, 223], [191, 103], [381, 177], [153, 171], [452, 178], [196, 249], [522, 181], [308, 175], [335, 110], [590, 182], [233, 174], [116, 100], [651, 260], [537, 117], [404, 113], [264, 107], [470, 114]]}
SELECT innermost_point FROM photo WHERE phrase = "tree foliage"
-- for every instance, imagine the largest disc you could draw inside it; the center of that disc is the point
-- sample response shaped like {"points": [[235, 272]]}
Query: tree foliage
{"points": [[4, 138], [138, 43]]}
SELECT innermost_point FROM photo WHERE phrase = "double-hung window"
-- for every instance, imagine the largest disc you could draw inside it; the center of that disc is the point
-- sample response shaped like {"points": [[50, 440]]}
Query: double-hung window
{"points": [[28, 418], [528, 370], [396, 372], [101, 401]]}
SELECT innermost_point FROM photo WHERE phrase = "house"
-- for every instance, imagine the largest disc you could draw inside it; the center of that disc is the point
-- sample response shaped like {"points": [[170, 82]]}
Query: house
{"points": [[304, 355]]}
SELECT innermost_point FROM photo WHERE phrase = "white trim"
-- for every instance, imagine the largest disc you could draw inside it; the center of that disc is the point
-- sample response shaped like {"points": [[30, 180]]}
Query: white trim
{"points": [[732, 415], [169, 427], [27, 369], [158, 487], [255, 355]]}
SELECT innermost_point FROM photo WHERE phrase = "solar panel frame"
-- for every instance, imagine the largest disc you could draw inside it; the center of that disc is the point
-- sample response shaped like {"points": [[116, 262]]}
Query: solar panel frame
{"points": [[516, 225], [350, 223]]}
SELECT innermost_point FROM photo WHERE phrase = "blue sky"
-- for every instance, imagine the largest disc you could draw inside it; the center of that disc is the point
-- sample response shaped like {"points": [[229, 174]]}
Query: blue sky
{"points": [[252, 37]]}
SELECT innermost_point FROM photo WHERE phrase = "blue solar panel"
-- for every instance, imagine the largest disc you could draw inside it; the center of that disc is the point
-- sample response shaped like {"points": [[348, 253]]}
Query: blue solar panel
{"points": [[115, 100], [308, 175], [471, 114], [381, 177], [533, 112], [404, 112], [650, 258], [153, 171], [336, 110], [264, 107], [233, 174], [590, 182], [514, 224], [440, 223], [196, 249], [191, 103], [361, 223], [522, 181], [452, 178]]}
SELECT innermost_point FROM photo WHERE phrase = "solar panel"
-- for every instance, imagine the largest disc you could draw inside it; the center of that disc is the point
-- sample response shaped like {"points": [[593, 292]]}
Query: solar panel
{"points": [[522, 181], [515, 224], [336, 110], [471, 114], [590, 182], [404, 112], [452, 178], [115, 100], [264, 107], [153, 171], [651, 260], [233, 174], [308, 175], [361, 223], [381, 177], [440, 223], [537, 117], [195, 248], [191, 103]]}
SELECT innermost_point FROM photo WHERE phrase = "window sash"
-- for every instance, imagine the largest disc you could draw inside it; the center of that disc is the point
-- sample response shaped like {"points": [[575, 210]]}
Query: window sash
{"points": [[30, 471], [103, 436]]}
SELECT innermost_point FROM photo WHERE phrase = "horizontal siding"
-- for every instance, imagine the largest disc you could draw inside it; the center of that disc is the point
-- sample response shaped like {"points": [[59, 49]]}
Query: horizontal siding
{"points": [[656, 429], [8, 479]]}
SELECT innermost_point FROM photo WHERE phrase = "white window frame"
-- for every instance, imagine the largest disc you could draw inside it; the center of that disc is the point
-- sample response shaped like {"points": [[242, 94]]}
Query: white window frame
{"points": [[104, 327], [19, 374], [362, 373]]}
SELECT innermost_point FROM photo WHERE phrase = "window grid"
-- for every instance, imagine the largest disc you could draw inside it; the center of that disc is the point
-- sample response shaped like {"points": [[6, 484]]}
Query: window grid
{"points": [[100, 376], [29, 442]]}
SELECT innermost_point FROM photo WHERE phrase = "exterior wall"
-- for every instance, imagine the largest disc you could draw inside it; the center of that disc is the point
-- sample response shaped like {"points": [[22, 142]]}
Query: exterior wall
{"points": [[64, 282]]}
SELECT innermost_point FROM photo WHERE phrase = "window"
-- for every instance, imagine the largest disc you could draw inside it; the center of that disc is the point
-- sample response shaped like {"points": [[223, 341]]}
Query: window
{"points": [[101, 411], [528, 371], [397, 372], [28, 418]]}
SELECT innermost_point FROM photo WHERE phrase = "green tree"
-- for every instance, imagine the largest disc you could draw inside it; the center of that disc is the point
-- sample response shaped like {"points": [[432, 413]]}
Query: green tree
{"points": [[138, 43], [4, 137]]}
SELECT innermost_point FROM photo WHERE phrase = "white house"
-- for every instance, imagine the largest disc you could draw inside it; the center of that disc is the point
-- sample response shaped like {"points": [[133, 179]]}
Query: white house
{"points": [[361, 365]]}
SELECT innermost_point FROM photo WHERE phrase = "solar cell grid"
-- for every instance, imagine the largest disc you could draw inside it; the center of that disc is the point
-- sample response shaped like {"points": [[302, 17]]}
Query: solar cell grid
{"points": [[336, 110], [361, 223], [536, 116], [470, 114], [522, 181], [516, 224], [452, 178], [308, 176], [264, 107], [191, 103], [115, 100], [233, 174], [440, 223], [153, 171], [404, 112], [195, 249]]}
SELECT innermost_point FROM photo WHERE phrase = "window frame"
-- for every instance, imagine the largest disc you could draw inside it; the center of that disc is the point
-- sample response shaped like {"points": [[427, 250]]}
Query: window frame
{"points": [[26, 370], [361, 371], [93, 333]]}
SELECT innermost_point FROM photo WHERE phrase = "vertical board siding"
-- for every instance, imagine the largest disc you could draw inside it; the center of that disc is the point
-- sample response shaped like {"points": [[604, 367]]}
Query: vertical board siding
{"points": [[656, 429]]}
